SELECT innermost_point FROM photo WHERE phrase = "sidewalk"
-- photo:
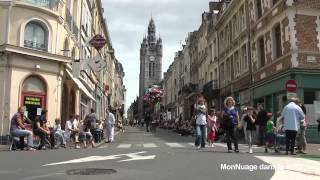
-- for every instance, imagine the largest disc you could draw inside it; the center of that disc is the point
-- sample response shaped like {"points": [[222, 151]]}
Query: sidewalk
{"points": [[5, 147]]}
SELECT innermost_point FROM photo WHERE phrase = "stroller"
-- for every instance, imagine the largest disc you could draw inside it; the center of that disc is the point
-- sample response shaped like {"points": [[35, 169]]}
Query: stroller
{"points": [[280, 138]]}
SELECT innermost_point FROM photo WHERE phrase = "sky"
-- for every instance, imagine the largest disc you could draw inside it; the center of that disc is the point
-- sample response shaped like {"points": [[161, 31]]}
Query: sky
{"points": [[128, 20]]}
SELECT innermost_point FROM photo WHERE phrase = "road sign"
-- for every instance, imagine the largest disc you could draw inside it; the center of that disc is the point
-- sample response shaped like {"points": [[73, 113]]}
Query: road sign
{"points": [[97, 64], [291, 86], [98, 41]]}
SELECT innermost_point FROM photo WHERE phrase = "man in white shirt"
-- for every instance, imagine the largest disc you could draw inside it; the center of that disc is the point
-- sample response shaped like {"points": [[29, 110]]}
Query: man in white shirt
{"points": [[72, 128], [293, 116], [110, 121]]}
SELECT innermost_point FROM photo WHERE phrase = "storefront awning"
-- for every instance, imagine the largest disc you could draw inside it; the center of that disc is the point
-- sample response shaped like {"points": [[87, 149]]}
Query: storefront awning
{"points": [[80, 85]]}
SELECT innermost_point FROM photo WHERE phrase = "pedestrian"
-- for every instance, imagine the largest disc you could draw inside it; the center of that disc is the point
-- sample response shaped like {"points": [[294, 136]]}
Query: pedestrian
{"points": [[148, 120], [293, 117], [72, 129], [270, 133], [91, 123], [261, 123], [212, 120], [110, 122], [201, 122], [59, 133], [244, 124], [250, 123], [86, 134], [302, 141], [231, 122], [41, 131], [18, 129]]}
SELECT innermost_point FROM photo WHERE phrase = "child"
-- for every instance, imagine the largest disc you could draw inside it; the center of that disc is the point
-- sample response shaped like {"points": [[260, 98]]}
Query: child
{"points": [[59, 133], [270, 135], [250, 120], [212, 119]]}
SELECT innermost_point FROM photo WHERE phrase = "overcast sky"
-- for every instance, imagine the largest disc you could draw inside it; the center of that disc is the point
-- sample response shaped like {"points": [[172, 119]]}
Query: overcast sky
{"points": [[128, 21]]}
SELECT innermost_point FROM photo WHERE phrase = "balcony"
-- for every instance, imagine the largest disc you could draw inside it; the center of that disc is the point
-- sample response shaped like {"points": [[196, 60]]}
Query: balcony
{"points": [[49, 4], [188, 89], [35, 45], [211, 89]]}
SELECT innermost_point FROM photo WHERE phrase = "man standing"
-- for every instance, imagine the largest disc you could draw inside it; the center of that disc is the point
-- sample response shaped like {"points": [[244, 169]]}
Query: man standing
{"points": [[91, 122], [110, 121], [293, 116], [148, 120], [262, 120]]}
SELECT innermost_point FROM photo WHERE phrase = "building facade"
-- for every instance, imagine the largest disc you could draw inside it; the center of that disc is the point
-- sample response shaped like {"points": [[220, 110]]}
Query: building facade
{"points": [[44, 57], [150, 63], [248, 49]]}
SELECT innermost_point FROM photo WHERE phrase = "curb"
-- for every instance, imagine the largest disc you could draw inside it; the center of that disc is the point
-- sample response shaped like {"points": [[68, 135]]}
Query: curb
{"points": [[103, 140]]}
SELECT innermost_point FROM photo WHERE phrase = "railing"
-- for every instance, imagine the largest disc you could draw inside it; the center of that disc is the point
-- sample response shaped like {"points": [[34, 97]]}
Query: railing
{"points": [[50, 4], [35, 45], [211, 85]]}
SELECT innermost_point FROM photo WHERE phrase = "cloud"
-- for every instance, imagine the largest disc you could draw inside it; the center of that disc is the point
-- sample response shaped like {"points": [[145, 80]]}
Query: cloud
{"points": [[128, 21]]}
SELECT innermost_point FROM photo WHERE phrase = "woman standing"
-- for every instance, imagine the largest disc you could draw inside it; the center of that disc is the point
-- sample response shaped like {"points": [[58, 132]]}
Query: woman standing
{"points": [[201, 122], [231, 120], [212, 120], [250, 120]]}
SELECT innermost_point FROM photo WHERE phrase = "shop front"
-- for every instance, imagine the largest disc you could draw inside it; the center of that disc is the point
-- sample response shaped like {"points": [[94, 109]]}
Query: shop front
{"points": [[33, 96]]}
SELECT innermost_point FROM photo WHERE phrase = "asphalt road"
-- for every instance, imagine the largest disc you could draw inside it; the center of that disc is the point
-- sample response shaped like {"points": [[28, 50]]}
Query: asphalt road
{"points": [[136, 155]]}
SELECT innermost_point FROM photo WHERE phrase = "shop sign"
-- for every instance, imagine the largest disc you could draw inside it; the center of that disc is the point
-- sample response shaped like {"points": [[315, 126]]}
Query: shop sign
{"points": [[98, 41], [32, 101]]}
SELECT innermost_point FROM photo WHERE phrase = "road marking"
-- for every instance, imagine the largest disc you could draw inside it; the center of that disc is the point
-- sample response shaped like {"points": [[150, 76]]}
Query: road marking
{"points": [[149, 145], [191, 144], [124, 146], [131, 157], [298, 168], [101, 147], [175, 145]]}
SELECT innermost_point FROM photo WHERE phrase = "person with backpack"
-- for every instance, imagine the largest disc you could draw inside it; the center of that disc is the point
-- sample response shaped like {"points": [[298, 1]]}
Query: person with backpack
{"points": [[231, 123]]}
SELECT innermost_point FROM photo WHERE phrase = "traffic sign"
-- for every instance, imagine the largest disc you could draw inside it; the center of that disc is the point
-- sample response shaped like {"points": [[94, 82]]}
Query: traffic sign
{"points": [[291, 86], [98, 41]]}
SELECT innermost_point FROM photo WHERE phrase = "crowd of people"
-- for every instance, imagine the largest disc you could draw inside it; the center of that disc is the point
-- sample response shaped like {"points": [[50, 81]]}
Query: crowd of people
{"points": [[86, 132], [256, 124]]}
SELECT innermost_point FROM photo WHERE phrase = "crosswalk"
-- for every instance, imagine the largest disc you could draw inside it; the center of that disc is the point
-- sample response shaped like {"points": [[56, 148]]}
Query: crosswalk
{"points": [[179, 145]]}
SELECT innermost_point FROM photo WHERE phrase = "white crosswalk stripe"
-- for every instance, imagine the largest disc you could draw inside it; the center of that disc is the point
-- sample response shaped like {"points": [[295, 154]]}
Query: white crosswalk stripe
{"points": [[125, 146], [175, 145], [150, 145]]}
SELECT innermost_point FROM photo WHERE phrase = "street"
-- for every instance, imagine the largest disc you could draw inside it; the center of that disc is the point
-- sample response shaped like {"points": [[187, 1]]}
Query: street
{"points": [[139, 155]]}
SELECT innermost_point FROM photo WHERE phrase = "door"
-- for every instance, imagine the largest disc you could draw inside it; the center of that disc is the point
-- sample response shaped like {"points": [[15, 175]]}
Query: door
{"points": [[33, 96]]}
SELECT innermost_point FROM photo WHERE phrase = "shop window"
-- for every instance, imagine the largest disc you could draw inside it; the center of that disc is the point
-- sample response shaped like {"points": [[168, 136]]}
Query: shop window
{"points": [[309, 97], [277, 41], [261, 52], [259, 8], [34, 84]]}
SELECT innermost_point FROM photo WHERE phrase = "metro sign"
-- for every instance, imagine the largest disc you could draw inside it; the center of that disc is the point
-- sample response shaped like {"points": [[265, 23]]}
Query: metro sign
{"points": [[98, 41], [291, 86]]}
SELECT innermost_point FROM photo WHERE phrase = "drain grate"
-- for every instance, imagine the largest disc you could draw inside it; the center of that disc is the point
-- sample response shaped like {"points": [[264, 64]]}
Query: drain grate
{"points": [[90, 171]]}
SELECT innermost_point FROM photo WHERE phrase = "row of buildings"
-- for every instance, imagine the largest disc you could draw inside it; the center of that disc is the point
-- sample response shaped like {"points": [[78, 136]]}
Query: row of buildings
{"points": [[47, 60], [248, 49]]}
